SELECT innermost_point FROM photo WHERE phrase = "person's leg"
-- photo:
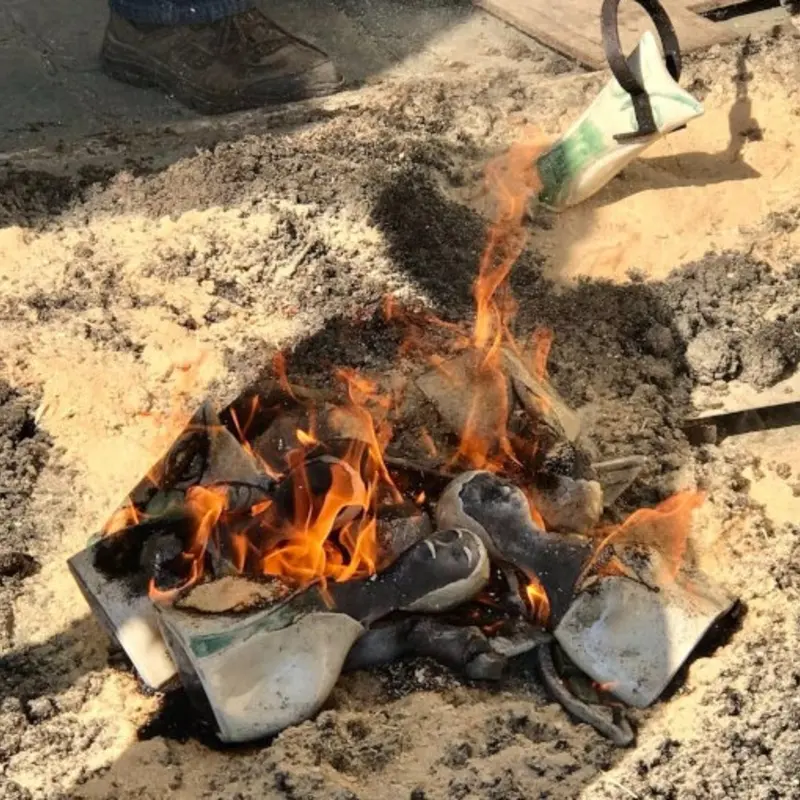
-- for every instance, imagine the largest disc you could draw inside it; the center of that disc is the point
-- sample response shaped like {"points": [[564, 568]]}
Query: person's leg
{"points": [[213, 55], [178, 12]]}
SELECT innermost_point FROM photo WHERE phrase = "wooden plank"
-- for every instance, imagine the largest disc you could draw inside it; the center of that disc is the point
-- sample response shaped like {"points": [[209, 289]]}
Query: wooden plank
{"points": [[533, 17], [693, 31], [742, 396], [713, 429], [572, 27], [704, 6]]}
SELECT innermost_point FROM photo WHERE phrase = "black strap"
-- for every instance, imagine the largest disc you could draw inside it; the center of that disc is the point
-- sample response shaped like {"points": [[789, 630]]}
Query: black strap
{"points": [[621, 69]]}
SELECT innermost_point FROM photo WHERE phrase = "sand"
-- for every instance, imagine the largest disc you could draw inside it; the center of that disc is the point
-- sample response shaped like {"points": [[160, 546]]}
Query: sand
{"points": [[218, 250]]}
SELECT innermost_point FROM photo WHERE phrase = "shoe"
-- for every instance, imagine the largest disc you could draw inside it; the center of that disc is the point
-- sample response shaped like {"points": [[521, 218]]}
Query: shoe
{"points": [[241, 61], [438, 573], [498, 513]]}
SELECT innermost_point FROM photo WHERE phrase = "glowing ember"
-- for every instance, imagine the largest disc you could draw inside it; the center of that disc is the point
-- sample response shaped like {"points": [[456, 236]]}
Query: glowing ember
{"points": [[306, 439]]}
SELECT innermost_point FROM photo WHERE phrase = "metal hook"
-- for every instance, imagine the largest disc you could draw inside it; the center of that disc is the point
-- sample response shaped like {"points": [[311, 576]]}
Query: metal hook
{"points": [[646, 124]]}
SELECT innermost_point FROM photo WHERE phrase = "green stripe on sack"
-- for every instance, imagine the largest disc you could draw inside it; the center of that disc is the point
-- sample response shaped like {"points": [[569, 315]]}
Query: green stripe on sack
{"points": [[559, 165]]}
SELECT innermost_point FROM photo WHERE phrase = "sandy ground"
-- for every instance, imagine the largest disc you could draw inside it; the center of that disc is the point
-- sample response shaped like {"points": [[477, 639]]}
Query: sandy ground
{"points": [[225, 243]]}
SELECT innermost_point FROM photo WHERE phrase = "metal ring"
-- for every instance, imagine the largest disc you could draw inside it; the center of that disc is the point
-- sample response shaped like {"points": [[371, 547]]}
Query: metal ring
{"points": [[621, 69], [613, 47]]}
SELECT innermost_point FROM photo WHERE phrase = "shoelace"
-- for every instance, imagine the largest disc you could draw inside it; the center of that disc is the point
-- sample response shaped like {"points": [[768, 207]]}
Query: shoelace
{"points": [[249, 31]]}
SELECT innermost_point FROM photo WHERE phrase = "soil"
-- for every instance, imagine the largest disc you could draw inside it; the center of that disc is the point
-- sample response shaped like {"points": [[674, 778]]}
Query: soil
{"points": [[131, 289]]}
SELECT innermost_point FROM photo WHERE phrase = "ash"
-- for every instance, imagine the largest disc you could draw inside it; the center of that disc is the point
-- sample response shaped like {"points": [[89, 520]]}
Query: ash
{"points": [[24, 450]]}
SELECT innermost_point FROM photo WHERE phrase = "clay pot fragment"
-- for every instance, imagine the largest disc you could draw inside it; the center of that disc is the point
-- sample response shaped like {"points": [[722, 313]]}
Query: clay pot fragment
{"points": [[111, 574], [436, 574]]}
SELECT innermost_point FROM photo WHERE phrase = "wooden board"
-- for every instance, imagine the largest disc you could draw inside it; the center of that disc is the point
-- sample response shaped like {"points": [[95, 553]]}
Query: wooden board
{"points": [[744, 397], [704, 6], [572, 27]]}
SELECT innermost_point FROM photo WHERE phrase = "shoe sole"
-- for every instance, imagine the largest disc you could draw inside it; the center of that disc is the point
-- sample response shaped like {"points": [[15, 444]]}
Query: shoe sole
{"points": [[124, 63]]}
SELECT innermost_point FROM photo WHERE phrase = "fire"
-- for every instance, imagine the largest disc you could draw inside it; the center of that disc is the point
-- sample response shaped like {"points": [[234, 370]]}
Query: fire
{"points": [[538, 601], [536, 517], [279, 367], [124, 517], [241, 433], [541, 342], [330, 533], [512, 179], [321, 524], [428, 443], [482, 445], [315, 532], [308, 549], [306, 439], [361, 392], [665, 529], [204, 506]]}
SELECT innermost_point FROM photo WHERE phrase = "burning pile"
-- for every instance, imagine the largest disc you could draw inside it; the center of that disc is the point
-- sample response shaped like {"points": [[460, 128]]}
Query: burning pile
{"points": [[285, 539]]}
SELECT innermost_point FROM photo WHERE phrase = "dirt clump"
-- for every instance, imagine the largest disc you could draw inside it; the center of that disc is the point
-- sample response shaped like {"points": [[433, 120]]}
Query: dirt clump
{"points": [[24, 450], [738, 317]]}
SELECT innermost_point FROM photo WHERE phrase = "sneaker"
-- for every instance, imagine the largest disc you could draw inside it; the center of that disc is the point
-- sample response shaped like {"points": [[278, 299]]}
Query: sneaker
{"points": [[242, 61]]}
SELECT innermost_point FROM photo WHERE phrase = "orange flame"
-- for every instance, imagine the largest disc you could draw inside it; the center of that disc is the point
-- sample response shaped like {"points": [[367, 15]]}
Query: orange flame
{"points": [[538, 600], [512, 179], [665, 529], [541, 342], [361, 391], [124, 517], [485, 446], [429, 444], [306, 439], [204, 506], [241, 434], [279, 367], [536, 517], [327, 537], [332, 535], [335, 536]]}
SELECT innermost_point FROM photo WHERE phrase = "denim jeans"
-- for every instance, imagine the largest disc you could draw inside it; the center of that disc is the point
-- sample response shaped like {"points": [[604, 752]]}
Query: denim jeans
{"points": [[178, 12]]}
